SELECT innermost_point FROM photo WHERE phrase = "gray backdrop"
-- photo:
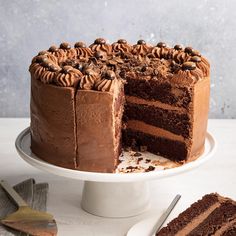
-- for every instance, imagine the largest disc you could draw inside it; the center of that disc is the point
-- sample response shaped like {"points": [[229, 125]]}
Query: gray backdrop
{"points": [[29, 26]]}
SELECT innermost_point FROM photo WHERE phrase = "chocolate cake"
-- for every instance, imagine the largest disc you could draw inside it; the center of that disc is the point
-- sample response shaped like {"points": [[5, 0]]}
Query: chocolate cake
{"points": [[77, 102], [212, 215]]}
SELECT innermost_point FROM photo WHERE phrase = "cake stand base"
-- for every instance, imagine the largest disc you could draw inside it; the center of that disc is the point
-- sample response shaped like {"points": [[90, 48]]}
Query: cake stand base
{"points": [[115, 199]]}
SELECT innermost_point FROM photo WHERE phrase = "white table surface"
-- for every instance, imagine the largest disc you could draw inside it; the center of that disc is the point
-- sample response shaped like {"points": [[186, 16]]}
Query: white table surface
{"points": [[217, 175]]}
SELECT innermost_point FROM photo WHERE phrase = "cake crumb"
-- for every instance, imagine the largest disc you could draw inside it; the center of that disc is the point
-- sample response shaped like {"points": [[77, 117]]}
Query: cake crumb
{"points": [[143, 148], [137, 154], [150, 168]]}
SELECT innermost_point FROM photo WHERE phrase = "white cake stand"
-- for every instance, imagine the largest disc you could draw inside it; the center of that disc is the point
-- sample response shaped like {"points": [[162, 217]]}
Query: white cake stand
{"points": [[103, 193]]}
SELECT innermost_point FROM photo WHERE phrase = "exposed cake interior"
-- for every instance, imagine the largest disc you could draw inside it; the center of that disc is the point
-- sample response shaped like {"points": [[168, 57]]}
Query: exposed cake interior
{"points": [[212, 215]]}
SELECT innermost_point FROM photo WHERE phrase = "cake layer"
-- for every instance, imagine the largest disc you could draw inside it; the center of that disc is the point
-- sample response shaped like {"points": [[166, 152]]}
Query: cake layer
{"points": [[173, 121], [172, 149], [53, 123], [154, 91]]}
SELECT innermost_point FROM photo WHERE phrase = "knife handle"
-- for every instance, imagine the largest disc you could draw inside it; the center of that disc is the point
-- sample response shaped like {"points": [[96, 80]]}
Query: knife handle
{"points": [[13, 194]]}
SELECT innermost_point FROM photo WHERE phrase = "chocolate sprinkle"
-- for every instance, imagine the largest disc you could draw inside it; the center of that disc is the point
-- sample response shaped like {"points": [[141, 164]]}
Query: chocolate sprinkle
{"points": [[195, 53], [137, 154], [53, 48], [161, 45], [178, 47], [195, 59], [110, 75], [188, 50], [100, 41], [100, 55], [80, 45], [150, 168], [54, 68], [189, 65], [122, 41], [65, 45], [141, 42], [41, 58]]}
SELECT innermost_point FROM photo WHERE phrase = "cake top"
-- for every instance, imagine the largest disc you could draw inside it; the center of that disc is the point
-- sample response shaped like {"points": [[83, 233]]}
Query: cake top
{"points": [[101, 65]]}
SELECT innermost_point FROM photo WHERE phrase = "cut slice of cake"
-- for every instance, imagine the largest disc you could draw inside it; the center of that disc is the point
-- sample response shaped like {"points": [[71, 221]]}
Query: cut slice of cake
{"points": [[212, 215]]}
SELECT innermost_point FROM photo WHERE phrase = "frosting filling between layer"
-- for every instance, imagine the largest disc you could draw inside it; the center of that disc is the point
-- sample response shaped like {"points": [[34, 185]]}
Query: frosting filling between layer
{"points": [[197, 220], [136, 100], [153, 130]]}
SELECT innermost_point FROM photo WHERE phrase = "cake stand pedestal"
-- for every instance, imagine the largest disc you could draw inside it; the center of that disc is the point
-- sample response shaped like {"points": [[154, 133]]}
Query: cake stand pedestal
{"points": [[111, 194]]}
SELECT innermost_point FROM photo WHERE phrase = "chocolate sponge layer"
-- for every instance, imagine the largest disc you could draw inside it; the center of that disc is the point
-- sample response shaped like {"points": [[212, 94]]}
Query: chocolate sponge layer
{"points": [[174, 150], [173, 121], [151, 90]]}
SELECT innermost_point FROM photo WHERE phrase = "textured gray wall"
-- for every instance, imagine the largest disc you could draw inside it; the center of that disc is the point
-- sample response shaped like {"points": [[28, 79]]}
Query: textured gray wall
{"points": [[29, 26]]}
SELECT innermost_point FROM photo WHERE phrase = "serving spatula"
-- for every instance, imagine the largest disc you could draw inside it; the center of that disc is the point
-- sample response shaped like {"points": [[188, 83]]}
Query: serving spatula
{"points": [[27, 220]]}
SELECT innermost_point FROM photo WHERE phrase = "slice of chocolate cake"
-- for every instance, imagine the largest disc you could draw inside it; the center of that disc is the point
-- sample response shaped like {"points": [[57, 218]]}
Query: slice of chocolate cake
{"points": [[212, 215]]}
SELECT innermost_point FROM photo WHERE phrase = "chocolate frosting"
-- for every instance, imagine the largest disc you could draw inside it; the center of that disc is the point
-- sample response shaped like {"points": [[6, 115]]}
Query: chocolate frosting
{"points": [[159, 62], [189, 76], [141, 48], [88, 80], [107, 83], [68, 77], [160, 52], [101, 45], [121, 46]]}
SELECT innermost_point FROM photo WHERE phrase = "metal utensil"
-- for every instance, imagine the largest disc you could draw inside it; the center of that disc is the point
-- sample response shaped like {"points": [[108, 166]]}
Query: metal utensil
{"points": [[26, 219], [164, 216]]}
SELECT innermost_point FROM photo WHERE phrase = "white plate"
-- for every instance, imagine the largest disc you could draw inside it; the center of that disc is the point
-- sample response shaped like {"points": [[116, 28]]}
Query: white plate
{"points": [[23, 147], [144, 227]]}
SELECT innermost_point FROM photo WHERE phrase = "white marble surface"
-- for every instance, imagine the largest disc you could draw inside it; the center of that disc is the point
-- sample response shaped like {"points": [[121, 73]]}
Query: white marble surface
{"points": [[217, 175]]}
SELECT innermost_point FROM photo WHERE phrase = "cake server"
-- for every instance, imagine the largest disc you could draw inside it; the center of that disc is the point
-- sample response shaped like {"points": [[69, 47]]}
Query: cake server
{"points": [[27, 220], [164, 216]]}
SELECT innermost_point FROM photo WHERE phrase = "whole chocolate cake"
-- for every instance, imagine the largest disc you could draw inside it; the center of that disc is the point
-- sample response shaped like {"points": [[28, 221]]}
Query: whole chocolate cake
{"points": [[212, 215], [79, 95]]}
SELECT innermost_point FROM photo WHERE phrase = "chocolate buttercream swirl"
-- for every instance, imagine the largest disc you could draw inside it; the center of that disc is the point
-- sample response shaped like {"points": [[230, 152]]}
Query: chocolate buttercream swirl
{"points": [[141, 48], [47, 76], [121, 46], [202, 64], [69, 52], [68, 77], [45, 56], [187, 76], [179, 56], [101, 45], [84, 53], [107, 83], [44, 71], [60, 54], [88, 80], [36, 70], [160, 52]]}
